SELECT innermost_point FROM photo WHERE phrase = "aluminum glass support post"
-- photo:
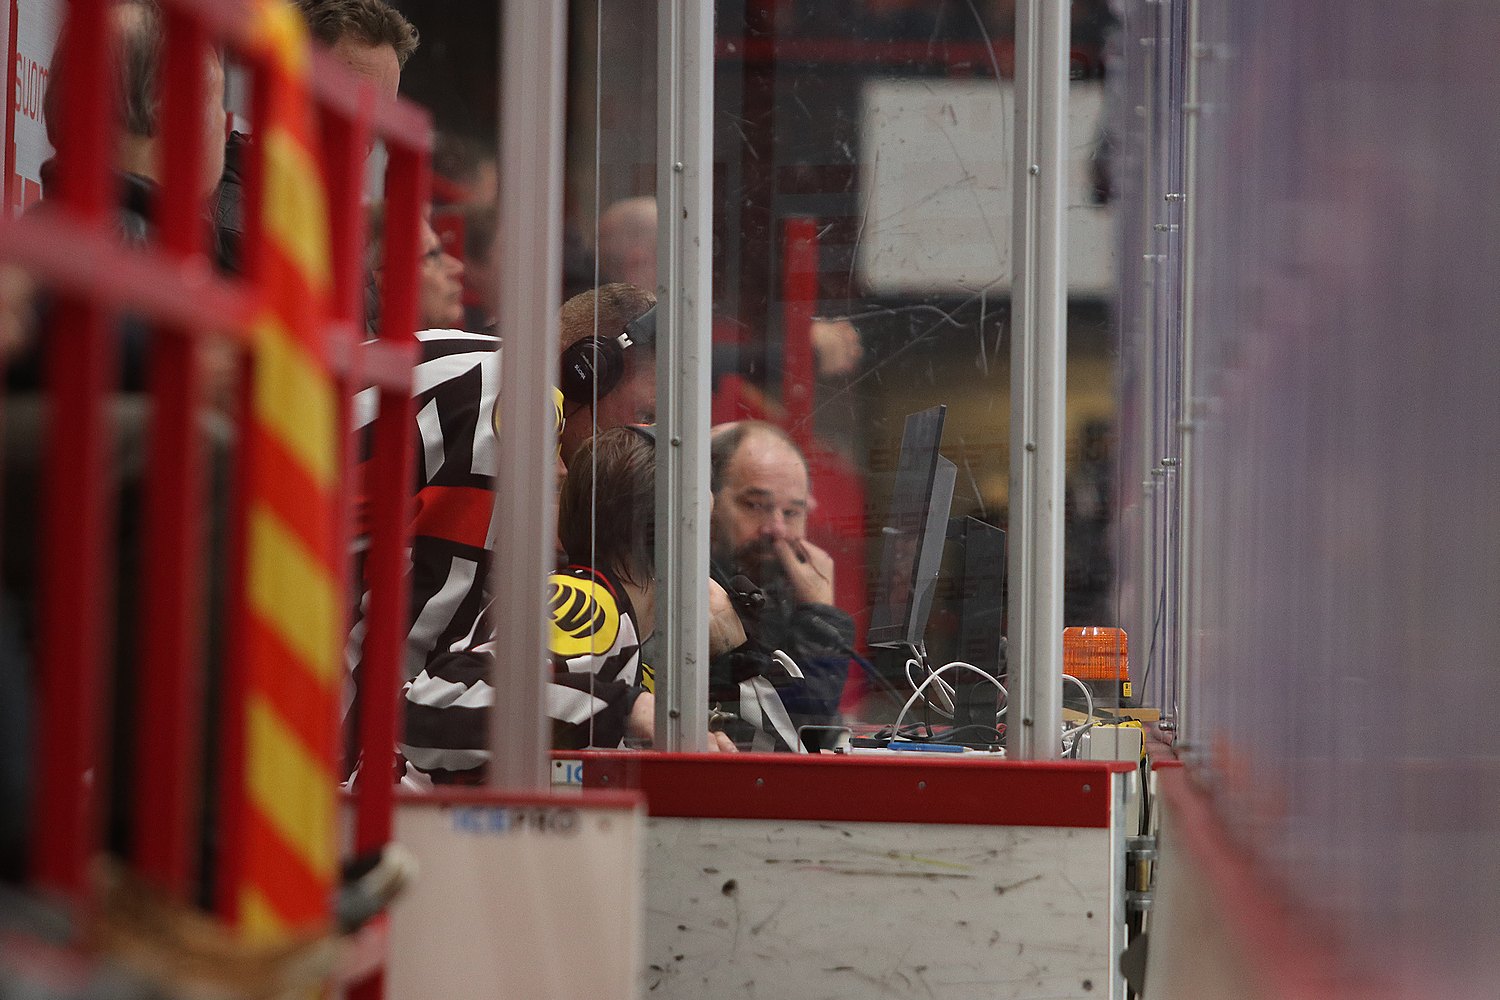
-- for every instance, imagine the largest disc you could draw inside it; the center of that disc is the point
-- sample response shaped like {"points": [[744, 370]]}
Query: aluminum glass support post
{"points": [[532, 56], [1038, 379], [684, 198], [1188, 538], [1148, 366]]}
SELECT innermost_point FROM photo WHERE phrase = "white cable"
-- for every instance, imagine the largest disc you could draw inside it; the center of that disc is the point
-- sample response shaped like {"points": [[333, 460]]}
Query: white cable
{"points": [[942, 686], [943, 705], [1087, 695], [956, 664], [787, 663]]}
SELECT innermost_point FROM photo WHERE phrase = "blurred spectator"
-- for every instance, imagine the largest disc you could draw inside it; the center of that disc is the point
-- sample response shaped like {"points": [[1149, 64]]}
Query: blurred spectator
{"points": [[136, 39], [440, 302], [464, 171], [627, 242], [137, 161], [17, 293], [372, 40], [837, 346], [440, 279], [481, 268]]}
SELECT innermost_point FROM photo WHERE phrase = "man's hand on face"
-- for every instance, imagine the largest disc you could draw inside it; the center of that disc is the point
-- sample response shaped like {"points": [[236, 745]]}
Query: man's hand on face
{"points": [[809, 569]]}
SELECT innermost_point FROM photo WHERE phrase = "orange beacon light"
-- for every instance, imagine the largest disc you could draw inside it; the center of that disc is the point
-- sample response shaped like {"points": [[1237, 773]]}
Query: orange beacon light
{"points": [[1099, 657]]}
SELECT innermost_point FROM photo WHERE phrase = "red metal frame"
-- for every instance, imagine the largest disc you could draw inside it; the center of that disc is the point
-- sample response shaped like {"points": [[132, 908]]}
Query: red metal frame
{"points": [[390, 508], [77, 569], [861, 789], [73, 250], [169, 707]]}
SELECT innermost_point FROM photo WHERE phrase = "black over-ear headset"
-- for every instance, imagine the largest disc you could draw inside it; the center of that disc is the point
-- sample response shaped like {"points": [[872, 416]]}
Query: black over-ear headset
{"points": [[646, 432], [593, 366]]}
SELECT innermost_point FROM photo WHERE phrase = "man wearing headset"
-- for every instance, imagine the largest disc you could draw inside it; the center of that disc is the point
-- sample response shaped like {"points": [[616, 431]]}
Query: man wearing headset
{"points": [[608, 367]]}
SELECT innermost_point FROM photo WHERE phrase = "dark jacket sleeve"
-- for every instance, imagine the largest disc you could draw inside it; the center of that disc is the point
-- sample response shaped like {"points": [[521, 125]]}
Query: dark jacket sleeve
{"points": [[229, 205]]}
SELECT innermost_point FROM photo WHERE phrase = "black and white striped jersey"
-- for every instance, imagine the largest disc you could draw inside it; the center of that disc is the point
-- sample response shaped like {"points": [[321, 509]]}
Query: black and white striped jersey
{"points": [[595, 677], [455, 386]]}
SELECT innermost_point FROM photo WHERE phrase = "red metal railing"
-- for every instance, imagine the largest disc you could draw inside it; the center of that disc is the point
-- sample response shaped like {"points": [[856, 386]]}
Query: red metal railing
{"points": [[93, 279]]}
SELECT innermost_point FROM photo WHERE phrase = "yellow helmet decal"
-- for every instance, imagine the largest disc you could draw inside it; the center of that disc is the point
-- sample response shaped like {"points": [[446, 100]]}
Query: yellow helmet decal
{"points": [[585, 615], [557, 417]]}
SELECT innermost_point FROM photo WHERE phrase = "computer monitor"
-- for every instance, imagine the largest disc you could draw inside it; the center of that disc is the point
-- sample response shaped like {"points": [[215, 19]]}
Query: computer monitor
{"points": [[981, 588], [912, 539]]}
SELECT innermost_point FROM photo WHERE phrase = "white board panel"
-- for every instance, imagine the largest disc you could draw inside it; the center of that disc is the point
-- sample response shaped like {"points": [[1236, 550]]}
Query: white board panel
{"points": [[518, 901], [764, 908], [936, 178], [37, 24]]}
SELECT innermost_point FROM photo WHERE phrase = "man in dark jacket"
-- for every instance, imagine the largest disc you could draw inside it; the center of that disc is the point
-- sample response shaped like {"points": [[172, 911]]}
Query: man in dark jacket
{"points": [[759, 533], [372, 40]]}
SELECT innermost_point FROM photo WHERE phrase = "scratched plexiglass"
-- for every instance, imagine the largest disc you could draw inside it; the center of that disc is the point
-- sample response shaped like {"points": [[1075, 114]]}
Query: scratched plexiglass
{"points": [[863, 183]]}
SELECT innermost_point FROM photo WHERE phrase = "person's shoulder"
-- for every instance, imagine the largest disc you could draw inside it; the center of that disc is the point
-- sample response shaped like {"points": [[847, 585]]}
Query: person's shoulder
{"points": [[587, 611], [446, 355], [444, 343]]}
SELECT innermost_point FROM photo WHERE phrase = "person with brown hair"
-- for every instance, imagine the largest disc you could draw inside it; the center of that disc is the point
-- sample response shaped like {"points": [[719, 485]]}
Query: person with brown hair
{"points": [[372, 40], [370, 37], [603, 608], [617, 388], [455, 395]]}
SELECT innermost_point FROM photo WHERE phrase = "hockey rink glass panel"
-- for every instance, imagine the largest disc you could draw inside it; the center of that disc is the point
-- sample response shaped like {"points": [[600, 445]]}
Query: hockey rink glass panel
{"points": [[863, 182]]}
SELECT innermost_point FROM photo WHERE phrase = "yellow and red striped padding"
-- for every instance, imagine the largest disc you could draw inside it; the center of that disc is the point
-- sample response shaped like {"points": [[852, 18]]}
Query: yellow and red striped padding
{"points": [[292, 558]]}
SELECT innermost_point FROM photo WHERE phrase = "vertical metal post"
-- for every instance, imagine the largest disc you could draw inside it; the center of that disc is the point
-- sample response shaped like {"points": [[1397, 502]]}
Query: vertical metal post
{"points": [[78, 544], [1038, 379], [169, 714], [1187, 534], [1148, 362], [530, 241], [386, 488], [684, 199]]}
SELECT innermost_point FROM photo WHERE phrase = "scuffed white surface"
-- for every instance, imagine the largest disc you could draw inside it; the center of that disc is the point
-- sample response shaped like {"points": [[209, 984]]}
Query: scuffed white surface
{"points": [[761, 908]]}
